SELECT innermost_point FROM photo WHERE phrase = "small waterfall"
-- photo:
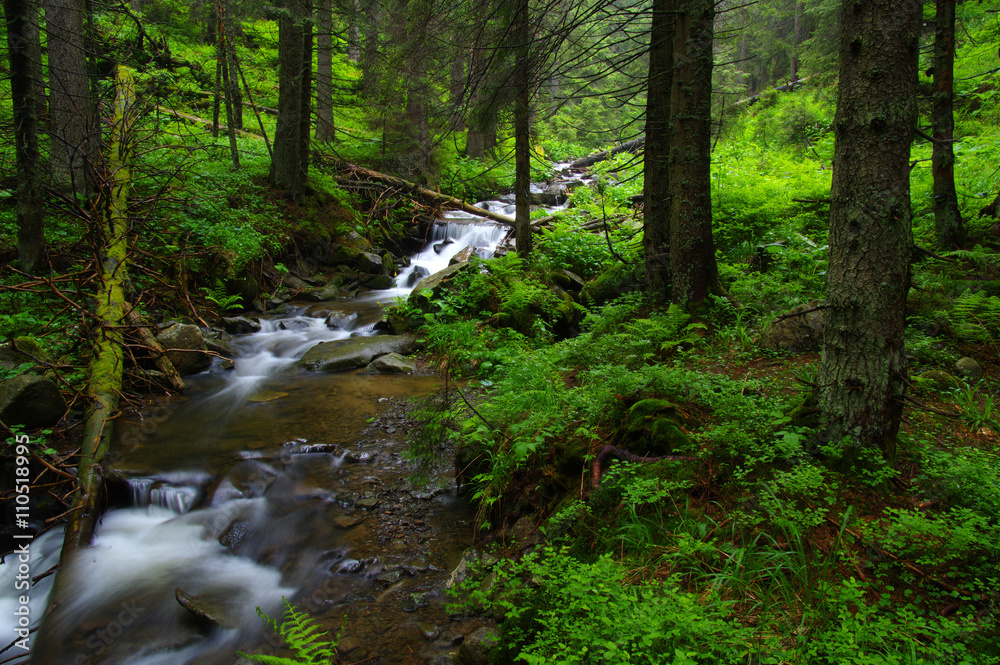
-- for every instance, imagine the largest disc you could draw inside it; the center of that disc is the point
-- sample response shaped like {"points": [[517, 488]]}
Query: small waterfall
{"points": [[177, 491], [448, 239]]}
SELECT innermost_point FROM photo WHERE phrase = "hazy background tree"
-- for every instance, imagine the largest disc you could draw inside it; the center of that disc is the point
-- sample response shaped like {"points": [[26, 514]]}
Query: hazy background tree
{"points": [[947, 219]]}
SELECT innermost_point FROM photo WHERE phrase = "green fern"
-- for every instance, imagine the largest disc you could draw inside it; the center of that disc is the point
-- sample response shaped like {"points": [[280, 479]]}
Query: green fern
{"points": [[303, 636], [976, 316], [221, 297], [978, 255]]}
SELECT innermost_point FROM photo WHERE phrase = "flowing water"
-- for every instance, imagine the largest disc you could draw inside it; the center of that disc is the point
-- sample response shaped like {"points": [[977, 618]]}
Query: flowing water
{"points": [[266, 482]]}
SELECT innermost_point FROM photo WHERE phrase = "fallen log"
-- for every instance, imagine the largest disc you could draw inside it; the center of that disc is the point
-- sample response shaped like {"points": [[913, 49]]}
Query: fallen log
{"points": [[107, 362], [159, 353], [633, 146], [187, 117], [423, 192]]}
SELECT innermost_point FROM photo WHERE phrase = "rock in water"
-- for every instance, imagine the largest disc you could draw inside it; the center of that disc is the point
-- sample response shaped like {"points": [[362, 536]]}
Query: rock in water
{"points": [[475, 649], [190, 356], [353, 353], [30, 400], [205, 610], [390, 363]]}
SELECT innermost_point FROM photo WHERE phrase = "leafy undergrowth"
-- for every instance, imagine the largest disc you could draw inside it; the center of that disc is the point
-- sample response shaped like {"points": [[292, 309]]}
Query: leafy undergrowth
{"points": [[758, 541]]}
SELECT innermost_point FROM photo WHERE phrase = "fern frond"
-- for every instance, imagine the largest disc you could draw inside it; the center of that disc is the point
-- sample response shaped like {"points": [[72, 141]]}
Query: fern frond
{"points": [[976, 316], [304, 637]]}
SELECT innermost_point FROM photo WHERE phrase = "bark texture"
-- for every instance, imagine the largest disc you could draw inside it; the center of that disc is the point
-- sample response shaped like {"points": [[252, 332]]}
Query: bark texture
{"points": [[522, 132], [863, 368], [325, 130], [656, 172], [290, 159], [947, 220], [22, 44], [69, 96], [694, 274]]}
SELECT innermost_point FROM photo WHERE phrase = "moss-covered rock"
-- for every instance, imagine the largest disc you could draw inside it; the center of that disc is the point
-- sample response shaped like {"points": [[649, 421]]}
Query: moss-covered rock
{"points": [[652, 427]]}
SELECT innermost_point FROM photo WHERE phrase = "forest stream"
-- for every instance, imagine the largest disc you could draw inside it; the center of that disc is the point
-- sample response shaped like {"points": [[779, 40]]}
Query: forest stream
{"points": [[263, 482]]}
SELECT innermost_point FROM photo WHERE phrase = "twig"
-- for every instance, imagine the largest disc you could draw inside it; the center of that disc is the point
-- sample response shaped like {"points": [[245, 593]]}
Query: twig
{"points": [[803, 312], [468, 404]]}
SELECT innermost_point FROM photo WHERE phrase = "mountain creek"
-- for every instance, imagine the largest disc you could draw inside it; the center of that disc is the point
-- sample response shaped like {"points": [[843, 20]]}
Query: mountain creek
{"points": [[265, 482]]}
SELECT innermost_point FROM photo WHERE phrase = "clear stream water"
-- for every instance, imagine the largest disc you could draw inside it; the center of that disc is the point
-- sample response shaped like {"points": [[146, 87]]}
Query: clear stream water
{"points": [[265, 482]]}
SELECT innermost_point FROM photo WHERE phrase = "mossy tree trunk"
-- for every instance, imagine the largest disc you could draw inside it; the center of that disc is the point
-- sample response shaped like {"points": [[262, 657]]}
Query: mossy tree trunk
{"points": [[694, 274], [107, 363], [863, 367], [656, 173], [22, 43], [947, 219]]}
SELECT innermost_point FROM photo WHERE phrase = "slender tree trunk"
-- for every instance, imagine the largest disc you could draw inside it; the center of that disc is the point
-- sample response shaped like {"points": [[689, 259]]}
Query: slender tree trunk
{"points": [[354, 33], [656, 172], [863, 368], [522, 132], [325, 130], [305, 101], [694, 275], [796, 41], [947, 219], [22, 36], [369, 65], [70, 116], [482, 135], [220, 58], [232, 31]]}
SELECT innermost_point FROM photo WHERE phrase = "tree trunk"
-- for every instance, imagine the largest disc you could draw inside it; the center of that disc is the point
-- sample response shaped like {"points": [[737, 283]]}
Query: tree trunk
{"points": [[22, 31], [947, 219], [70, 116], [232, 31], [354, 33], [863, 369], [288, 161], [369, 65], [796, 41], [694, 274], [656, 172], [325, 130], [482, 134], [522, 132]]}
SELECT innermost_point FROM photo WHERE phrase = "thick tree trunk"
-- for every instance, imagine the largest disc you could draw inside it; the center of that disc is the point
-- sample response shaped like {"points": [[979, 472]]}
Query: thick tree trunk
{"points": [[947, 219], [325, 129], [863, 368], [288, 160], [22, 43], [694, 275], [522, 132], [656, 172], [70, 116]]}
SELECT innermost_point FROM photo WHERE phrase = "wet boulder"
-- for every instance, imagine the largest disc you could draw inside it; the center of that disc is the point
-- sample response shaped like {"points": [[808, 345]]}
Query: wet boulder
{"points": [[801, 330], [390, 363], [418, 273], [186, 348], [369, 263], [239, 325], [30, 400], [207, 610], [434, 282], [220, 342], [463, 255], [353, 353], [475, 649], [552, 195], [323, 293]]}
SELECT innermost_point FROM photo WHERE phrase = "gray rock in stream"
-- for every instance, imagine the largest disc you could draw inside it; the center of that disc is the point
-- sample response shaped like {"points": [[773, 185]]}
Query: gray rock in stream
{"points": [[190, 356], [352, 353], [206, 610], [390, 363]]}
